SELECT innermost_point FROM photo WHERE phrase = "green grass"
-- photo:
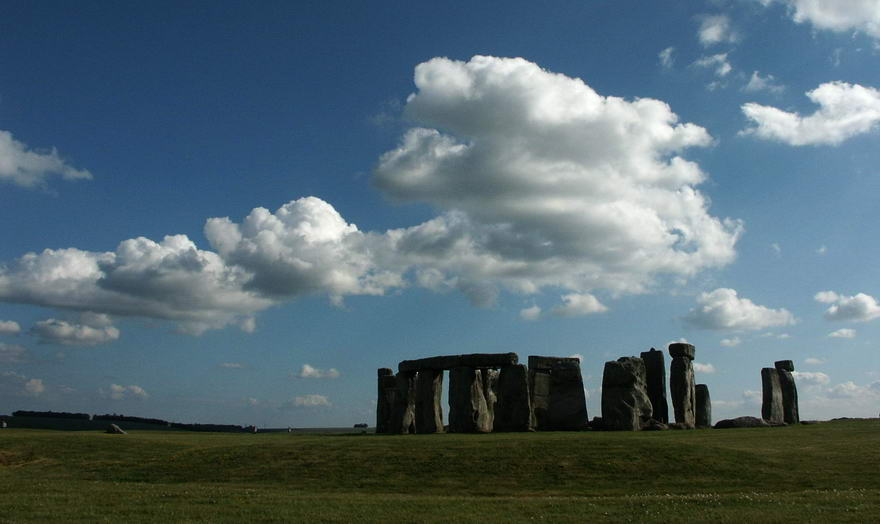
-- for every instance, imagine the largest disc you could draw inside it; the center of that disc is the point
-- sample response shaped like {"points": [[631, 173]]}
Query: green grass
{"points": [[825, 472]]}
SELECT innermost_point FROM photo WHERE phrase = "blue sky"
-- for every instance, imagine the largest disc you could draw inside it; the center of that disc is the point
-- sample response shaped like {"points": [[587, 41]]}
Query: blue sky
{"points": [[228, 213]]}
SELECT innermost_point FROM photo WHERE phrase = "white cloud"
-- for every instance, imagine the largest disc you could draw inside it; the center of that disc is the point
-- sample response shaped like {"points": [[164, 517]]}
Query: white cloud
{"points": [[753, 397], [54, 331], [763, 83], [544, 182], [723, 309], [857, 308], [251, 401], [718, 62], [530, 313], [34, 387], [231, 365], [11, 353], [578, 305], [809, 378], [118, 392], [666, 58], [776, 248], [730, 342], [716, 30], [822, 250], [843, 333], [30, 169], [837, 15], [9, 327], [845, 110], [812, 361], [849, 389], [311, 401], [308, 371], [783, 336], [704, 368]]}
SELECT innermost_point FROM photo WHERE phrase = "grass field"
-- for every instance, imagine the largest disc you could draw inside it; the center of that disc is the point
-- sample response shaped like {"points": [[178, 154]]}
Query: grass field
{"points": [[824, 472]]}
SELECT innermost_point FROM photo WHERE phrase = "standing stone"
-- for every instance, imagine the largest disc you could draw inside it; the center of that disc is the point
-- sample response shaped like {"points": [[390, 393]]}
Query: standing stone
{"points": [[655, 378], [385, 401], [403, 419], [785, 369], [513, 412], [490, 388], [704, 406], [429, 411], [467, 405], [557, 390], [625, 402], [681, 383], [771, 407]]}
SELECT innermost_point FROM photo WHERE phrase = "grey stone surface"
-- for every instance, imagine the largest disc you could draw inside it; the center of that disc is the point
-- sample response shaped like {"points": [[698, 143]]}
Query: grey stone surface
{"points": [[790, 411], [513, 412], [403, 418], [681, 383], [771, 406], [557, 389], [490, 388], [473, 360], [429, 411], [655, 378], [115, 430], [704, 406], [625, 402], [468, 412], [385, 400], [741, 422]]}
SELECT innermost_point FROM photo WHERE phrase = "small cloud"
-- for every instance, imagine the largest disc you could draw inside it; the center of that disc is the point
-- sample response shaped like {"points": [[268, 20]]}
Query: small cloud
{"points": [[843, 333], [730, 342], [231, 365], [312, 372], [812, 361], [704, 368], [248, 324], [719, 62], [857, 308], [723, 309], [666, 58], [11, 353], [311, 401], [755, 398], [763, 83], [716, 29], [776, 248], [251, 401], [530, 313], [822, 250], [119, 392], [578, 305], [809, 378], [783, 336], [9, 327], [54, 331], [34, 387], [31, 169]]}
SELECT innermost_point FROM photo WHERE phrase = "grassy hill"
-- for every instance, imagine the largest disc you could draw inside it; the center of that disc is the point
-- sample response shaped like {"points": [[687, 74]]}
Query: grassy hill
{"points": [[793, 474]]}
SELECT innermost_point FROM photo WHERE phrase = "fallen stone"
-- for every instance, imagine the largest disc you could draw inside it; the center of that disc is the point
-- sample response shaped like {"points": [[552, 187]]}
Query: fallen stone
{"points": [[513, 411], [704, 406], [655, 425], [625, 403], [741, 422], [681, 383], [655, 379], [771, 407], [113, 429]]}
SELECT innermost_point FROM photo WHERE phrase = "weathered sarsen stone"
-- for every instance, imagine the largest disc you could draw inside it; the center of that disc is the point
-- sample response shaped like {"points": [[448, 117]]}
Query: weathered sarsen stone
{"points": [[557, 390], [741, 422], [385, 401], [513, 411], [403, 418], [490, 388], [655, 378], [468, 412], [771, 407], [704, 406], [474, 360], [681, 383], [785, 369], [429, 411], [625, 402]]}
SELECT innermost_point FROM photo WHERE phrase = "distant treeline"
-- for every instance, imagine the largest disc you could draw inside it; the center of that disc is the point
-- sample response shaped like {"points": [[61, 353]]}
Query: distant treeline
{"points": [[125, 418]]}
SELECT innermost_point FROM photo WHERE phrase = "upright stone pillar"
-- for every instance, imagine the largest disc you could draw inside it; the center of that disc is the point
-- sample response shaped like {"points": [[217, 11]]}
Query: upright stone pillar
{"points": [[655, 378], [557, 390], [467, 405], [785, 369], [403, 419], [513, 412], [429, 412], [771, 407], [704, 406], [385, 401], [490, 388], [681, 383], [625, 402]]}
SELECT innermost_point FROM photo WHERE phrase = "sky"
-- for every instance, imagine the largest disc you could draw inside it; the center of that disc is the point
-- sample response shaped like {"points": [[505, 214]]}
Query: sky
{"points": [[219, 212]]}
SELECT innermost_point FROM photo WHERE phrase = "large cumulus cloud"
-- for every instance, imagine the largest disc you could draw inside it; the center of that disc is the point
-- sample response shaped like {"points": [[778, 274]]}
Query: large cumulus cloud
{"points": [[541, 181]]}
